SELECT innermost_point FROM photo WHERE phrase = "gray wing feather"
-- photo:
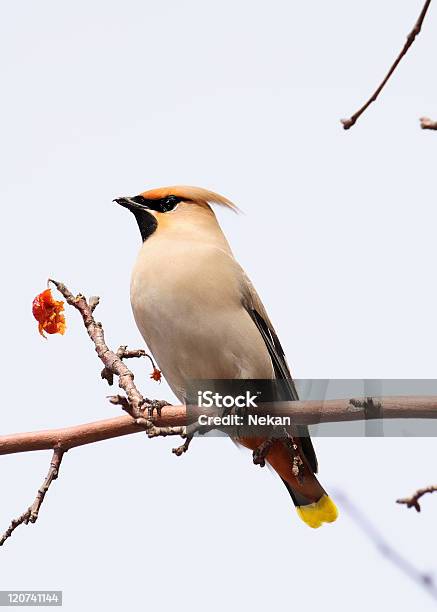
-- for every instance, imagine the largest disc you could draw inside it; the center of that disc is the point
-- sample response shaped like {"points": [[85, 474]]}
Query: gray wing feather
{"points": [[259, 316]]}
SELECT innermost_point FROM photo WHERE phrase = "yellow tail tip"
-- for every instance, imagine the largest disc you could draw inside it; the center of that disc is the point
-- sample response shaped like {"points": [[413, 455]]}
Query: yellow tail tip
{"points": [[322, 511]]}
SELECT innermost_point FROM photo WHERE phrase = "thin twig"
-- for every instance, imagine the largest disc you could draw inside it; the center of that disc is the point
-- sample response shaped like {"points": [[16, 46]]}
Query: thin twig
{"points": [[172, 420], [348, 123], [167, 431], [123, 353], [31, 514], [134, 403], [424, 580], [428, 124], [413, 501], [94, 301], [112, 362]]}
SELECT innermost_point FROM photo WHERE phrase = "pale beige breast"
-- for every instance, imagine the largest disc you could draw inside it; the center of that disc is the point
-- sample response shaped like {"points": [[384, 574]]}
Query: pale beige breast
{"points": [[187, 302]]}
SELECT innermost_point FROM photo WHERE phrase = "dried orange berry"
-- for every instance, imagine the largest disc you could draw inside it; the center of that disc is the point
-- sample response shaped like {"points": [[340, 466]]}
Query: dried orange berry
{"points": [[48, 312], [156, 375]]}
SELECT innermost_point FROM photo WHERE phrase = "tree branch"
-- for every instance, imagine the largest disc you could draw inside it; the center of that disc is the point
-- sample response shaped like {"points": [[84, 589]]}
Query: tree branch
{"points": [[348, 123], [428, 124], [401, 562], [31, 514], [112, 361], [134, 403], [311, 412], [123, 353], [173, 420], [413, 501]]}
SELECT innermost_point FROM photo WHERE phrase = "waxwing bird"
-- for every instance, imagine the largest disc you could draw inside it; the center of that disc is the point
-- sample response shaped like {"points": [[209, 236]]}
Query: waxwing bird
{"points": [[201, 318]]}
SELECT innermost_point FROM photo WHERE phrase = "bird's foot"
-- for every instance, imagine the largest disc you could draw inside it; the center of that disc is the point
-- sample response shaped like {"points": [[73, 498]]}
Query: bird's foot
{"points": [[293, 450], [260, 453], [152, 405]]}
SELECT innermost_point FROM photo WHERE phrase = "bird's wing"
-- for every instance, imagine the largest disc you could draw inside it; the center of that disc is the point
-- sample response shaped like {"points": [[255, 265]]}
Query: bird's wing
{"points": [[257, 312]]}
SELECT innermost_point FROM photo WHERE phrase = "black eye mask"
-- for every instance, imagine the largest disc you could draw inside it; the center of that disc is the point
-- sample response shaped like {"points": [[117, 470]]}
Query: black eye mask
{"points": [[162, 205]]}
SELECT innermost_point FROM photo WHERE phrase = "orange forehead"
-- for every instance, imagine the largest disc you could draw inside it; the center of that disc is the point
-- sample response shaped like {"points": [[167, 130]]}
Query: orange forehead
{"points": [[157, 194]]}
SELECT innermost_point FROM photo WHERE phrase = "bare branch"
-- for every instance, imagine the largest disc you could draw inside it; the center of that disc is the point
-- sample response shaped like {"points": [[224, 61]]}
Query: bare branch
{"points": [[310, 412], [122, 353], [120, 400], [86, 433], [167, 431], [31, 514], [173, 420], [428, 124], [112, 362], [94, 302], [348, 123], [139, 408], [400, 561], [135, 403], [413, 501]]}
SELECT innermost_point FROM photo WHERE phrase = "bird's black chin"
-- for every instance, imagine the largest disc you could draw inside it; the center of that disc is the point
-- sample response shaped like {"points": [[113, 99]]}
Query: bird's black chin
{"points": [[146, 221]]}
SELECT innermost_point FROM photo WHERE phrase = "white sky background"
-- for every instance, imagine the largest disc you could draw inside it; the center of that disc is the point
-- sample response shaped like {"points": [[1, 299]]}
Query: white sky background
{"points": [[110, 98]]}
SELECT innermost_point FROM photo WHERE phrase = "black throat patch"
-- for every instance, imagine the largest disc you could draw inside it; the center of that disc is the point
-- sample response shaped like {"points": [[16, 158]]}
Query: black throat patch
{"points": [[146, 222]]}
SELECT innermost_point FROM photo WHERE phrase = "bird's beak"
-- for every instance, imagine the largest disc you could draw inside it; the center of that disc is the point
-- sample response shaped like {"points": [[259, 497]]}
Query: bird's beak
{"points": [[135, 203]]}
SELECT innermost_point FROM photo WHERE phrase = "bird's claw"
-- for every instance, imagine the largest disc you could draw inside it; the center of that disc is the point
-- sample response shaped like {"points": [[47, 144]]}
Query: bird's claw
{"points": [[157, 405], [260, 453]]}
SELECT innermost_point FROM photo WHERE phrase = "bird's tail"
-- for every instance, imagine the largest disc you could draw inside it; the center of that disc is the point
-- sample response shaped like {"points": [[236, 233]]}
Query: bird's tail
{"points": [[315, 513], [313, 504]]}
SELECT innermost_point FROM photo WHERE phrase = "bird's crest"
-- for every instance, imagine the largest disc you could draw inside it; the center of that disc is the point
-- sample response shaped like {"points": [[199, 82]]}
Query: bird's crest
{"points": [[190, 194]]}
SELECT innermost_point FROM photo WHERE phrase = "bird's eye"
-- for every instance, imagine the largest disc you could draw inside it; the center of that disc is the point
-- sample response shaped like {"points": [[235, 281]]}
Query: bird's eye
{"points": [[170, 203]]}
